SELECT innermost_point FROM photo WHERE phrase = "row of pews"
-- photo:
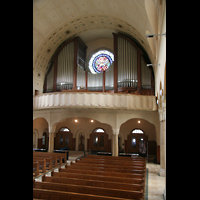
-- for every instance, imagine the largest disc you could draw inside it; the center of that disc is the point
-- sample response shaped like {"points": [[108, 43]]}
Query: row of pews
{"points": [[44, 161], [95, 178]]}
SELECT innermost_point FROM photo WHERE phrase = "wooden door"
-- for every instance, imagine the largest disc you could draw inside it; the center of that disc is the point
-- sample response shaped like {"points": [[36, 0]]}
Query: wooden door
{"points": [[99, 141], [137, 143], [64, 140]]}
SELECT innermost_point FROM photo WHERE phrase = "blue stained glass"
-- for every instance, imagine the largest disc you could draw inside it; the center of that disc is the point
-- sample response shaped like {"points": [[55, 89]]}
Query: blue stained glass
{"points": [[100, 61]]}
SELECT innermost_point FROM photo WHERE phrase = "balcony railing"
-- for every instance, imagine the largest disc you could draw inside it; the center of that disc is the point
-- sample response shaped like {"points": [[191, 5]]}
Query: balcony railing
{"points": [[94, 100]]}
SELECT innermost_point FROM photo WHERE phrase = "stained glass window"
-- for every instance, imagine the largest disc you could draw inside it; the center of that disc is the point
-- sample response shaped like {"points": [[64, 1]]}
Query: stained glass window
{"points": [[100, 61]]}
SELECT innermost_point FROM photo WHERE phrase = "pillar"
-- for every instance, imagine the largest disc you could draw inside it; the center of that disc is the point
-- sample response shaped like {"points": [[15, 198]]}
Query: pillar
{"points": [[162, 116], [51, 142], [115, 142]]}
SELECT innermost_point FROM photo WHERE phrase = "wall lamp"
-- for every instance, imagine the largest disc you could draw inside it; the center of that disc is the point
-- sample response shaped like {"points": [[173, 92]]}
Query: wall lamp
{"points": [[148, 65], [152, 35]]}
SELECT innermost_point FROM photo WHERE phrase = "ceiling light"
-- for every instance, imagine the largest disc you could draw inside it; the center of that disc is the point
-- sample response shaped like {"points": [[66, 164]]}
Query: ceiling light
{"points": [[92, 120], [76, 120], [138, 121]]}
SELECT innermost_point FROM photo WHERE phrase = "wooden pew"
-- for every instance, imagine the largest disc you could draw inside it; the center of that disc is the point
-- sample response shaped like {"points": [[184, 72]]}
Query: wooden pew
{"points": [[48, 161], [100, 178], [107, 169], [54, 156], [102, 173], [116, 157], [42, 164], [36, 168], [89, 190], [61, 156], [113, 162], [60, 195], [96, 183], [85, 164], [53, 159]]}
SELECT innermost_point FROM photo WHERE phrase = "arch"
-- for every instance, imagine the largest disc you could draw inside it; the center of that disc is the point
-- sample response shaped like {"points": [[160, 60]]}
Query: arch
{"points": [[40, 123]]}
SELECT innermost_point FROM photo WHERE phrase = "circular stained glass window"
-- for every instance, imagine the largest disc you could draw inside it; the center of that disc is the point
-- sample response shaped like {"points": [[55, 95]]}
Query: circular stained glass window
{"points": [[100, 61]]}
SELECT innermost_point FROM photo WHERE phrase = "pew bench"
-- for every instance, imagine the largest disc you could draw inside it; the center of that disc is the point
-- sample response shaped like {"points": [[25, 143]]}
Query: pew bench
{"points": [[123, 167], [59, 156], [108, 192], [101, 173], [100, 178], [107, 169], [127, 163], [36, 168], [51, 159], [60, 195], [96, 183], [42, 164]]}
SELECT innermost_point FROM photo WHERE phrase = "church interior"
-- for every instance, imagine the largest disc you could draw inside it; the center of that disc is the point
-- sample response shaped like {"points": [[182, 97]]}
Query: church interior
{"points": [[99, 99]]}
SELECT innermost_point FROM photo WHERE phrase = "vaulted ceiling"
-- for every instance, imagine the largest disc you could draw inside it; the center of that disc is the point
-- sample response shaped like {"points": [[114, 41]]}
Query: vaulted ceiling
{"points": [[55, 21]]}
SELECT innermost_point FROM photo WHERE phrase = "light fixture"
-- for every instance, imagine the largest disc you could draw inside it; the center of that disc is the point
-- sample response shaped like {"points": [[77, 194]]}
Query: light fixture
{"points": [[152, 35], [76, 120], [92, 120], [153, 65], [138, 121]]}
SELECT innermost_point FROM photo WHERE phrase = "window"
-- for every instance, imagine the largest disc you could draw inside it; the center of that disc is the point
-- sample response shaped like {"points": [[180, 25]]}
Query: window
{"points": [[99, 130], [100, 61], [139, 131], [64, 129]]}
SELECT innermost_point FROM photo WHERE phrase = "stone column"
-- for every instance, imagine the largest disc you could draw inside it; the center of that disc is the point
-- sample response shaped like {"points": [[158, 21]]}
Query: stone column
{"points": [[51, 140], [115, 142], [162, 112]]}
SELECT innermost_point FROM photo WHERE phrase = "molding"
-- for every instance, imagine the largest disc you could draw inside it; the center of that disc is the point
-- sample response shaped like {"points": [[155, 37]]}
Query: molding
{"points": [[97, 100]]}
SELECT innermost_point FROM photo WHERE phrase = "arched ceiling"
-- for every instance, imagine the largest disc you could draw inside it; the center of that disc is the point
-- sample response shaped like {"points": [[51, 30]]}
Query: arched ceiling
{"points": [[55, 21]]}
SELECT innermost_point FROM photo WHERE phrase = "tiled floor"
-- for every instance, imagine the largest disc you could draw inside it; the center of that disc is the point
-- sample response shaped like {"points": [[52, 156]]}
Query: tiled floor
{"points": [[156, 183]]}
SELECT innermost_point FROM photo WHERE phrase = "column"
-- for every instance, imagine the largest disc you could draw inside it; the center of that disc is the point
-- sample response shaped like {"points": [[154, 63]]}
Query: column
{"points": [[162, 142], [115, 142], [51, 142]]}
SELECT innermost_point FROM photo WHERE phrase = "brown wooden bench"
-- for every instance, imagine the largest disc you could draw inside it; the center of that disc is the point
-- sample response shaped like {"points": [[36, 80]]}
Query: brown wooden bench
{"points": [[102, 173], [89, 190], [107, 169], [85, 164], [48, 154], [53, 159], [116, 157], [60, 195], [36, 168], [96, 183], [113, 158], [42, 164], [124, 163], [98, 177]]}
